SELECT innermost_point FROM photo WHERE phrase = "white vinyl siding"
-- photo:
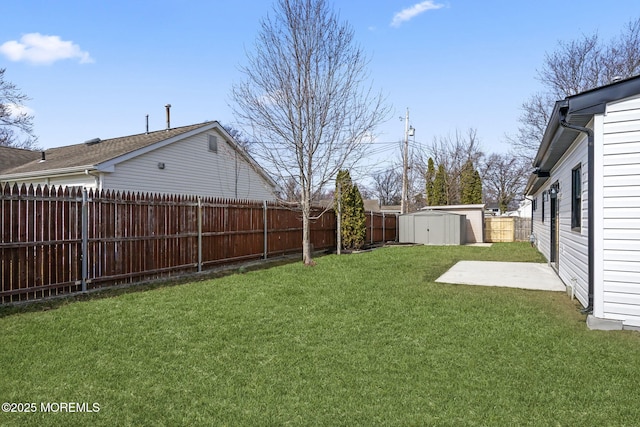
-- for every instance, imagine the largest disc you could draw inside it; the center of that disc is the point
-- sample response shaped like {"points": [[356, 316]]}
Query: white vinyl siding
{"points": [[573, 258], [541, 225], [620, 210], [191, 168], [573, 244], [71, 180]]}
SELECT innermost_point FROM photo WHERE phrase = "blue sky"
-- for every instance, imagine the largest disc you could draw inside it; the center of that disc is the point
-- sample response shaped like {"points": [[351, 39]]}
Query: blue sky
{"points": [[96, 68]]}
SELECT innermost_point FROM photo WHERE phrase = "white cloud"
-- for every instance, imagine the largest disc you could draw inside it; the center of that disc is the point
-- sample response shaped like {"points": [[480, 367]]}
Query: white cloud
{"points": [[43, 50], [16, 110], [413, 11]]}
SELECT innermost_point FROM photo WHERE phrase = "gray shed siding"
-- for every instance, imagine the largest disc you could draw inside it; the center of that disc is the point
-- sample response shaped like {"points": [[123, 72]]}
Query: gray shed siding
{"points": [[432, 228], [190, 168]]}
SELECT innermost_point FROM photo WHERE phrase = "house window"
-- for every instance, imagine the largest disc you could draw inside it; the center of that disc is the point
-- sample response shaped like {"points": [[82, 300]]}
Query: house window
{"points": [[534, 204], [213, 143], [576, 197]]}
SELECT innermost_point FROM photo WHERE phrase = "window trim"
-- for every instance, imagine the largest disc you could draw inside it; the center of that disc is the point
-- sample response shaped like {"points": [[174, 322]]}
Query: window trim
{"points": [[576, 198]]}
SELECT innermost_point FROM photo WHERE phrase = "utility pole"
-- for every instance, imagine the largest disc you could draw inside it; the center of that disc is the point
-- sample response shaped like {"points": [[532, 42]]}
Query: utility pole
{"points": [[404, 205]]}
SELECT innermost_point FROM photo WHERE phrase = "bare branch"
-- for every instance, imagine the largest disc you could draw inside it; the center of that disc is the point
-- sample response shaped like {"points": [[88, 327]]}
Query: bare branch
{"points": [[15, 122], [305, 98]]}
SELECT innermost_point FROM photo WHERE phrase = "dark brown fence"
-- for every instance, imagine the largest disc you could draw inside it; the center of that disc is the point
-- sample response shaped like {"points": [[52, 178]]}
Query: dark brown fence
{"points": [[64, 240]]}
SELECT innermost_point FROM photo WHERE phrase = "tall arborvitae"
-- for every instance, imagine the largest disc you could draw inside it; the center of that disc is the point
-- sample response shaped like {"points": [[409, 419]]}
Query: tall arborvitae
{"points": [[430, 176], [440, 187], [351, 206], [477, 188], [470, 185]]}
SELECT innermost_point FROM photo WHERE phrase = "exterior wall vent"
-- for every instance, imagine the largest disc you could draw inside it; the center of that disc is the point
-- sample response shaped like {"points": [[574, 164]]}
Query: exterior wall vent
{"points": [[213, 143]]}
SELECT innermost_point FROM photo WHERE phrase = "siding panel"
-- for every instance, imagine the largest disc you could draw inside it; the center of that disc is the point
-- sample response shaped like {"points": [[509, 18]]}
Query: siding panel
{"points": [[190, 168], [621, 192], [624, 288], [629, 125], [623, 310], [614, 255], [623, 266], [623, 106], [621, 211]]}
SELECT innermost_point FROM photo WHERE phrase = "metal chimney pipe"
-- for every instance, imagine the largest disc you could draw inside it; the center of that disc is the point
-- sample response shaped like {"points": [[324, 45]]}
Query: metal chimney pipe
{"points": [[147, 131], [168, 107]]}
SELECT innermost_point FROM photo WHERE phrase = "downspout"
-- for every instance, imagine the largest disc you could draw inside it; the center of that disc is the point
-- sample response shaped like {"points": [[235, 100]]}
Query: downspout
{"points": [[590, 201], [96, 177]]}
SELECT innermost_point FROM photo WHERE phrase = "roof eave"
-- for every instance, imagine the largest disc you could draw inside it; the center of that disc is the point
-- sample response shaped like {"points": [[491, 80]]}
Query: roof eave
{"points": [[47, 172]]}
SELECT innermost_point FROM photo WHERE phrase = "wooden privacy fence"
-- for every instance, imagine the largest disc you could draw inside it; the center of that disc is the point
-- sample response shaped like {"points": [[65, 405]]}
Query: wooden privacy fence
{"points": [[64, 240], [506, 229]]}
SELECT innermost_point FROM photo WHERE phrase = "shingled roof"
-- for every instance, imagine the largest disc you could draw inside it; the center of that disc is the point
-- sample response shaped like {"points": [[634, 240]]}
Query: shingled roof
{"points": [[88, 154], [11, 157]]}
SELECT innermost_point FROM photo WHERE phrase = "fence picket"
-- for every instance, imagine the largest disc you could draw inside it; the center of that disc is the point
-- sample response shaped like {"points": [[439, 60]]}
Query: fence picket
{"points": [[132, 237]]}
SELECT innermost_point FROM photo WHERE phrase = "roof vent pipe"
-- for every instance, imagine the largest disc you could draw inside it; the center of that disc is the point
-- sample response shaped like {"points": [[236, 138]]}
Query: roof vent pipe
{"points": [[147, 128], [168, 107], [43, 157]]}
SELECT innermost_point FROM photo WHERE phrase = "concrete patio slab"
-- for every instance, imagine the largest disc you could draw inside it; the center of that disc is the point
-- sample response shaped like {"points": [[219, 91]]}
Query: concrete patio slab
{"points": [[523, 275]]}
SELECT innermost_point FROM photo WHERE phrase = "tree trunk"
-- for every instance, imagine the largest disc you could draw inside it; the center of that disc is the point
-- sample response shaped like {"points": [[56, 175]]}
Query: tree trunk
{"points": [[338, 205], [306, 233]]}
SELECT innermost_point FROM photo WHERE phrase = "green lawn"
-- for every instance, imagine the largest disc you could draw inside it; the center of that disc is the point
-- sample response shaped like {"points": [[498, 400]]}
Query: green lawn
{"points": [[363, 339]]}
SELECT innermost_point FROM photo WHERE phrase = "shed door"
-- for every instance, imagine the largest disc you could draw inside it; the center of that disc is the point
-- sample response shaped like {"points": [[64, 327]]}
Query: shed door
{"points": [[438, 230], [421, 229]]}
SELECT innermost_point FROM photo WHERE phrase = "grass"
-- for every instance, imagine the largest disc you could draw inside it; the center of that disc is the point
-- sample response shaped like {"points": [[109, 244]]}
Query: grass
{"points": [[363, 339]]}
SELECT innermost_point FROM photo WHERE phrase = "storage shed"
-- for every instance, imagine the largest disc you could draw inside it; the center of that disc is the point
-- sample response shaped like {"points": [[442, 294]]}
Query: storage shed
{"points": [[433, 228], [475, 219]]}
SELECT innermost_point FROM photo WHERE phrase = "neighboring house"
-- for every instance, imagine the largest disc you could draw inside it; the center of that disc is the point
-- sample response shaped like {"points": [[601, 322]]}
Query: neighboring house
{"points": [[391, 209], [492, 209], [523, 211], [201, 159], [370, 205], [586, 198]]}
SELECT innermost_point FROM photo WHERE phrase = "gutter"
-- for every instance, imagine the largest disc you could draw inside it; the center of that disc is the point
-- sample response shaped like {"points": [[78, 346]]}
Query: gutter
{"points": [[98, 178], [590, 202], [550, 132], [46, 172]]}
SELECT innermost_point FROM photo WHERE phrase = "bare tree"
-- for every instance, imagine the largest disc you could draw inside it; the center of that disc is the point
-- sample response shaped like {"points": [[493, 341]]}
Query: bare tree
{"points": [[575, 67], [387, 185], [453, 152], [306, 100], [239, 137], [290, 190], [503, 179], [15, 122]]}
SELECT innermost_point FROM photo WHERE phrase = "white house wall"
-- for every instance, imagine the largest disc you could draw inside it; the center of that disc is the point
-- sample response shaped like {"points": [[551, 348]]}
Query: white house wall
{"points": [[190, 168], [620, 213], [573, 245], [71, 180]]}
